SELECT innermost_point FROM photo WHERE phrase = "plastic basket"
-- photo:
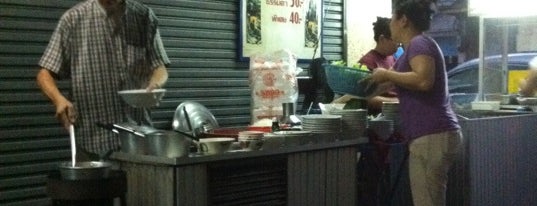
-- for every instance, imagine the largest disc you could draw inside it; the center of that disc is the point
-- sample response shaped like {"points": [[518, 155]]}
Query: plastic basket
{"points": [[346, 80]]}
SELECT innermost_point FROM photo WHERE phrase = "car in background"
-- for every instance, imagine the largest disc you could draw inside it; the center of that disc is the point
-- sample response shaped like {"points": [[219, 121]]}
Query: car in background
{"points": [[463, 80]]}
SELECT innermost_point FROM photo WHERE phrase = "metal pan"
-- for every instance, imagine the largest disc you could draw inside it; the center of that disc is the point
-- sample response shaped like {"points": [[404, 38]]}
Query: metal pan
{"points": [[131, 137], [151, 141], [85, 170]]}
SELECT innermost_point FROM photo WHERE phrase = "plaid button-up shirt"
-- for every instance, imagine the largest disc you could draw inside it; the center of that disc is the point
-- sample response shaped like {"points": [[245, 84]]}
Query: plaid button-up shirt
{"points": [[102, 56]]}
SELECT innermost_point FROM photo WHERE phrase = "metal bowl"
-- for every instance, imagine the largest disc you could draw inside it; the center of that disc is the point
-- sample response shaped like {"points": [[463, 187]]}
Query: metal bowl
{"points": [[85, 170], [215, 145], [141, 97]]}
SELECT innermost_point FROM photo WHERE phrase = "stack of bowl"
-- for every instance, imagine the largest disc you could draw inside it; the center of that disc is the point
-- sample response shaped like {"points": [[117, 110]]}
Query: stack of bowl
{"points": [[382, 128], [390, 110], [251, 140]]}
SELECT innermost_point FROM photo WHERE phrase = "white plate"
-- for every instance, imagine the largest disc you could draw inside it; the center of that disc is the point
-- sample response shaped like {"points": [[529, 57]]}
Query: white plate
{"points": [[141, 97]]}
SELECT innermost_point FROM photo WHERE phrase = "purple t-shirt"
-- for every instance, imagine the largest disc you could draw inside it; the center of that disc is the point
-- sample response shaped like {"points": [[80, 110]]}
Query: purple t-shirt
{"points": [[423, 113]]}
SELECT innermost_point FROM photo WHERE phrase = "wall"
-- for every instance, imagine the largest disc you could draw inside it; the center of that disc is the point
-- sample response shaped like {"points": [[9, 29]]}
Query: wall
{"points": [[359, 26], [201, 40], [526, 35]]}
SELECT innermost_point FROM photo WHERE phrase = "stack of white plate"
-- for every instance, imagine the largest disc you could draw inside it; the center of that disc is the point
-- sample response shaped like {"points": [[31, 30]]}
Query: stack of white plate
{"points": [[390, 111], [354, 122], [321, 123]]}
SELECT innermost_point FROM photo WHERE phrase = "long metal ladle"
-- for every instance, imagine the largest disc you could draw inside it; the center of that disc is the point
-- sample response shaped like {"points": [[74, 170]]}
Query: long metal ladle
{"points": [[73, 145]]}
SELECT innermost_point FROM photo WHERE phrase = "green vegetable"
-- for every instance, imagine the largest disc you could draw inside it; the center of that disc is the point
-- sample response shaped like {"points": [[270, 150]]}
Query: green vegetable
{"points": [[356, 104], [338, 63], [342, 63]]}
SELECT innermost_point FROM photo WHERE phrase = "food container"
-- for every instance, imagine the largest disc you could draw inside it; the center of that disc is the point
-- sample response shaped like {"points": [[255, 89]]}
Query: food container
{"points": [[346, 80], [131, 136], [215, 145], [85, 170], [169, 144]]}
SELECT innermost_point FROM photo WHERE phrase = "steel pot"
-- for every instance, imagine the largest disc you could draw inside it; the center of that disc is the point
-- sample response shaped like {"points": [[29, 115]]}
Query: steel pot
{"points": [[168, 144], [131, 136], [85, 170]]}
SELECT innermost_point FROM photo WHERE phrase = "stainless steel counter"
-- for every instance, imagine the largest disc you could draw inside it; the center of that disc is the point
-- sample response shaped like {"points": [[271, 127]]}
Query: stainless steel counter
{"points": [[195, 158], [313, 174]]}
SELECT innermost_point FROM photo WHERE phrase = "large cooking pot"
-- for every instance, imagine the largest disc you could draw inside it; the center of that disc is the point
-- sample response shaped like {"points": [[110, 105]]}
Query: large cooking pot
{"points": [[146, 140], [85, 170], [168, 144], [131, 136]]}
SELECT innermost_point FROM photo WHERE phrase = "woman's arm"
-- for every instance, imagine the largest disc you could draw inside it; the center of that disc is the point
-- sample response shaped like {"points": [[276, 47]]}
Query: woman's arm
{"points": [[421, 78]]}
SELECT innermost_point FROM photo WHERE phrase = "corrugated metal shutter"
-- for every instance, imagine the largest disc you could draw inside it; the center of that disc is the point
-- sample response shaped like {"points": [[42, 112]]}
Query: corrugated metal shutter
{"points": [[201, 40]]}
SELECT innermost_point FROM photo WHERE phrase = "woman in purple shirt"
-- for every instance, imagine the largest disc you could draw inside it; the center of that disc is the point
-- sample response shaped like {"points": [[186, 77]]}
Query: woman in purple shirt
{"points": [[427, 119]]}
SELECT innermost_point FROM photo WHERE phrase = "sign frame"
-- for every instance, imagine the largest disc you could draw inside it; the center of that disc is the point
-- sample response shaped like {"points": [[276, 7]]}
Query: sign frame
{"points": [[270, 25]]}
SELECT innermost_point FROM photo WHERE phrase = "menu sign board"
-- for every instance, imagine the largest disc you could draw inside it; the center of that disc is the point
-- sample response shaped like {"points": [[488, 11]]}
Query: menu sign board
{"points": [[271, 25]]}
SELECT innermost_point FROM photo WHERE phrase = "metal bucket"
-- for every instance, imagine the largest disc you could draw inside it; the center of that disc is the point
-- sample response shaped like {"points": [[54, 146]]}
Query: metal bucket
{"points": [[85, 170], [168, 144], [131, 136]]}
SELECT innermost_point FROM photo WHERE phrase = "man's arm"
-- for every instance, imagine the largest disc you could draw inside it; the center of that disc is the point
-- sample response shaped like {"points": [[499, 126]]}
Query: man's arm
{"points": [[65, 111], [158, 79]]}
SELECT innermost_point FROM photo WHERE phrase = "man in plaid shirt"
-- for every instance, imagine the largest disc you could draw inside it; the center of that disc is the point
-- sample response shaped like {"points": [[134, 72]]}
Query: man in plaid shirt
{"points": [[102, 46]]}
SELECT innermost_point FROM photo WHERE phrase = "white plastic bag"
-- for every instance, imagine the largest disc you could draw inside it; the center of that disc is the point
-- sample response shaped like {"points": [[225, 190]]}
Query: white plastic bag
{"points": [[272, 81]]}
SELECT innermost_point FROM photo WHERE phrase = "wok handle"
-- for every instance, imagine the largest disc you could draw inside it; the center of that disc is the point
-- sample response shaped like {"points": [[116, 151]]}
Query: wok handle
{"points": [[187, 118], [107, 127], [129, 130], [116, 128], [188, 135]]}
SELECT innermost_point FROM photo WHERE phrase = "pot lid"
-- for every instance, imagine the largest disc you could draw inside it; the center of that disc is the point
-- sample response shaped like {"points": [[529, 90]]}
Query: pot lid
{"points": [[196, 117]]}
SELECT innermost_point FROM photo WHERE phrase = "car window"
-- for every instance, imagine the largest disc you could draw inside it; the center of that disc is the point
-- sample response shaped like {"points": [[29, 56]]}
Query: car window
{"points": [[464, 80], [467, 81]]}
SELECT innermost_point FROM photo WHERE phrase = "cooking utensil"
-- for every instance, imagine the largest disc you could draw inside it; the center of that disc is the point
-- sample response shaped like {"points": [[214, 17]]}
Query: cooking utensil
{"points": [[187, 118], [151, 141], [73, 145], [215, 145], [198, 116], [169, 144], [85, 170], [131, 136]]}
